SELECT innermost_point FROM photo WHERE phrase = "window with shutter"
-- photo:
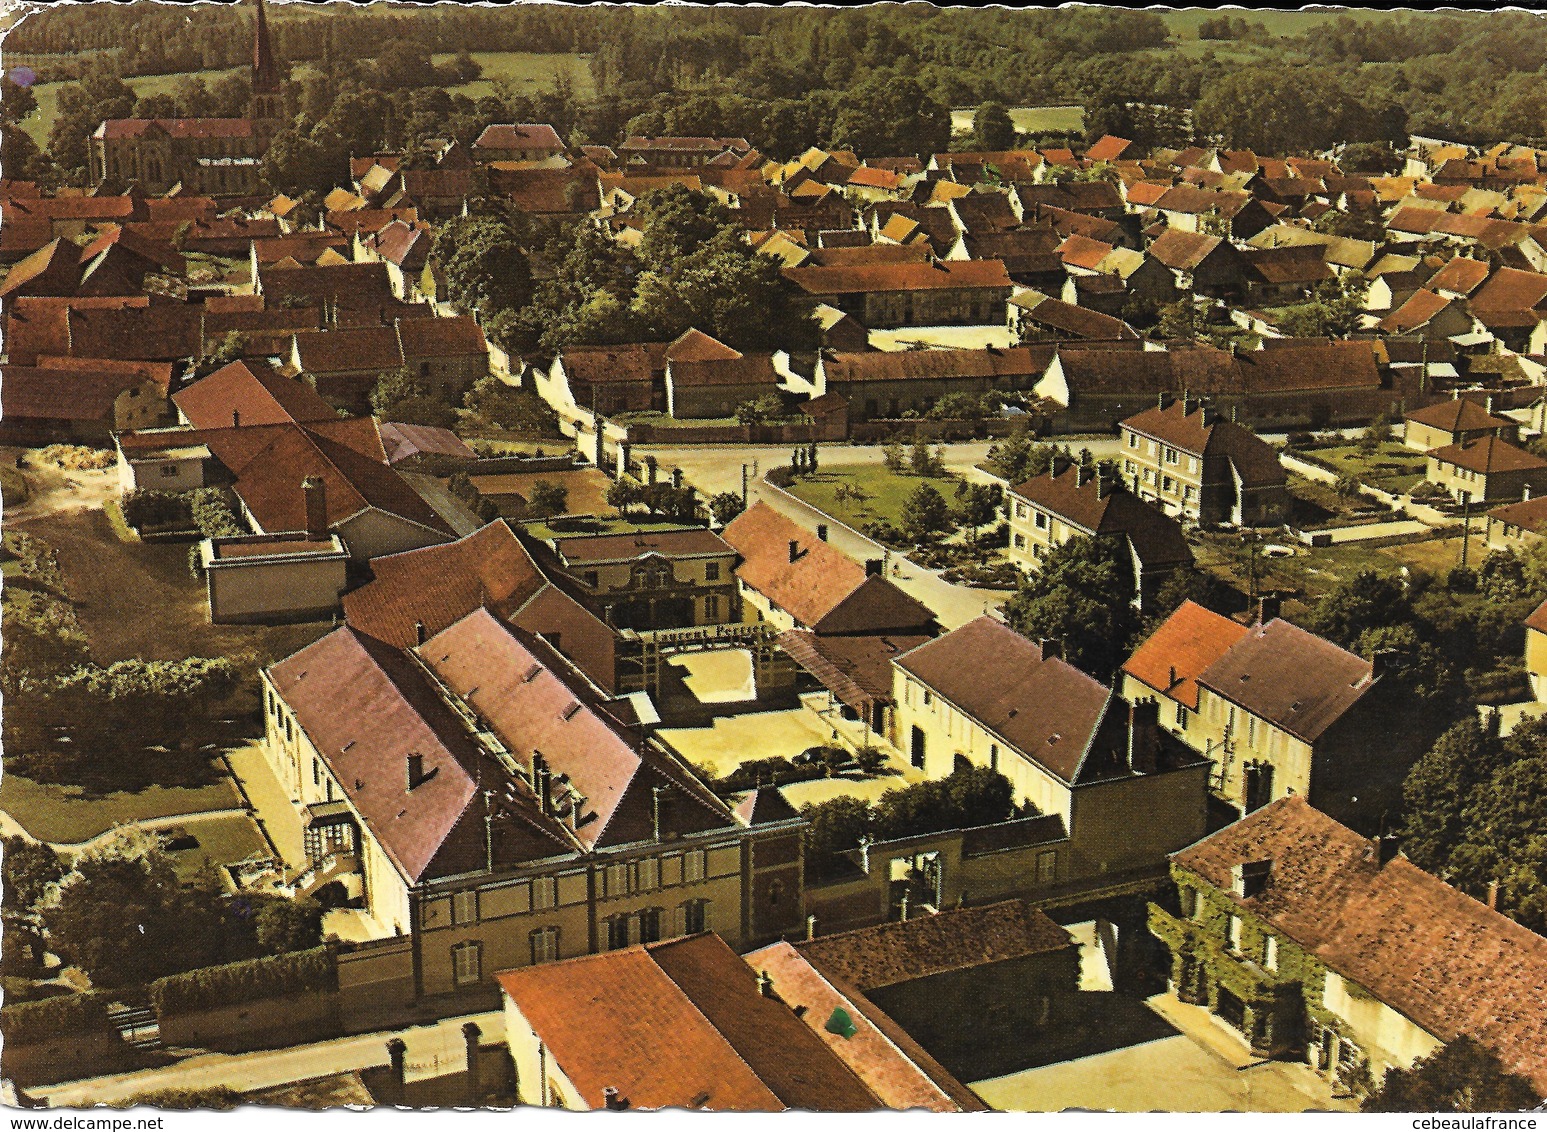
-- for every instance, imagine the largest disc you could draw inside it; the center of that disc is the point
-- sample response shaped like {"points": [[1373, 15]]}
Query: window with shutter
{"points": [[467, 963], [464, 907], [693, 866], [544, 892], [545, 945], [648, 872]]}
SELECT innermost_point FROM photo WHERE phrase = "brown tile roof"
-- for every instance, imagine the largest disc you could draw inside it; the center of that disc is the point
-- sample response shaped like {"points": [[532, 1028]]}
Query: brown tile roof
{"points": [[354, 285], [1538, 618], [1529, 515], [1488, 454], [27, 393], [1323, 365], [1182, 251], [1510, 289], [1418, 310], [823, 589], [764, 806], [1304, 265], [890, 1063], [1416, 944], [856, 669], [1020, 364], [52, 269], [693, 345], [1461, 276], [1291, 678], [365, 220], [1073, 196], [940, 275], [254, 391], [1099, 371], [1203, 433], [403, 441], [159, 332], [869, 253], [636, 361], [522, 135], [346, 351], [1107, 148], [39, 324], [1082, 251], [1025, 251], [536, 705], [1457, 415], [680, 1024], [439, 585], [159, 372], [1075, 320], [902, 952], [1076, 498], [457, 336], [689, 542], [175, 127], [1046, 709], [1182, 649]]}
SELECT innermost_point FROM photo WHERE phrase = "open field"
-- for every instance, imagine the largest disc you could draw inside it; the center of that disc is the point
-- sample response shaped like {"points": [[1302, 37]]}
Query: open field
{"points": [[1184, 24], [885, 492], [1027, 119], [1392, 467], [530, 74], [40, 123]]}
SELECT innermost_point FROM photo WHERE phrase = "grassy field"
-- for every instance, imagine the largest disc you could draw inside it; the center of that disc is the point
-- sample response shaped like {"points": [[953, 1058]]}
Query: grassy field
{"points": [[222, 841], [885, 492], [64, 814], [530, 73], [1029, 119], [1392, 467], [1184, 24]]}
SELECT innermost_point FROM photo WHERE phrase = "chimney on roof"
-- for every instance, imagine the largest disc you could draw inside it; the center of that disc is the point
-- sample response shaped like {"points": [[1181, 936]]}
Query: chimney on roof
{"points": [[1144, 736], [794, 550], [612, 1100], [1525, 494], [874, 567], [1104, 481], [1269, 606], [541, 782], [1052, 648], [415, 769], [1165, 399], [418, 632], [1207, 415], [1493, 896], [1386, 847], [315, 495], [236, 418], [765, 984], [811, 927], [821, 531]]}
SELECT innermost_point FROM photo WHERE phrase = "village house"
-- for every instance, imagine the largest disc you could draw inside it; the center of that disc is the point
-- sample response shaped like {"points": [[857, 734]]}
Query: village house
{"points": [[1200, 263], [605, 379], [1276, 709], [1312, 942], [1073, 501], [1487, 470], [1035, 317], [343, 365], [1516, 526], [1183, 457], [682, 1024], [680, 152], [203, 155], [707, 379], [1126, 794], [528, 143], [1453, 422], [797, 580], [40, 406], [493, 810], [943, 293], [267, 579], [654, 580]]}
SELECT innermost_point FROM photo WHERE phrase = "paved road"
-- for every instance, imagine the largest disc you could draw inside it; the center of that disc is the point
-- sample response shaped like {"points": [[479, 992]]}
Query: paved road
{"points": [[432, 1050]]}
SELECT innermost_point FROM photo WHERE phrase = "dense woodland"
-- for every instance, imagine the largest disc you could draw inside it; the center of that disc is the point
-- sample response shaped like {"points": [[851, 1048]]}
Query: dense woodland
{"points": [[878, 79]]}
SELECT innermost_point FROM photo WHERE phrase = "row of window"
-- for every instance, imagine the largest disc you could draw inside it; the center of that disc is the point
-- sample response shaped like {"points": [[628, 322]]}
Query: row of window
{"points": [[1193, 908], [622, 878]]}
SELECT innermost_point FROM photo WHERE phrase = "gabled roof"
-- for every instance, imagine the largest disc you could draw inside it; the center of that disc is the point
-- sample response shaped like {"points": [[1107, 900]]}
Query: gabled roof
{"points": [[456, 336], [1457, 415], [523, 135], [253, 393], [693, 345], [610, 781], [1072, 319], [1047, 709], [680, 1024], [823, 589], [1107, 148], [349, 350], [404, 441], [366, 707], [939, 275], [27, 393], [1488, 454], [1200, 431], [52, 269], [1291, 678], [437, 586], [1183, 251], [1018, 363], [1431, 953], [1078, 498], [764, 806], [1182, 649], [1461, 276], [857, 669]]}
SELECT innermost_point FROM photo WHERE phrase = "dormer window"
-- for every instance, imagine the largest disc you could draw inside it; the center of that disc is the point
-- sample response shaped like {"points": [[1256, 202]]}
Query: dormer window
{"points": [[1250, 877]]}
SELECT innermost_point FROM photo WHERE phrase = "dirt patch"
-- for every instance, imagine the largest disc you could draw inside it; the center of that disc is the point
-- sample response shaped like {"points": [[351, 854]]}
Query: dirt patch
{"points": [[1438, 556], [140, 600]]}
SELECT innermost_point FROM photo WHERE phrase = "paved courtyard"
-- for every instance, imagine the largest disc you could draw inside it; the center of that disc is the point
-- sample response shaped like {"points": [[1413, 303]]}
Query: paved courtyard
{"points": [[1204, 1069]]}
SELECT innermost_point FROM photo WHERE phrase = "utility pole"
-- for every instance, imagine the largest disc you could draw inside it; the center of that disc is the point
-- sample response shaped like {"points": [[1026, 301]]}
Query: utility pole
{"points": [[1466, 525]]}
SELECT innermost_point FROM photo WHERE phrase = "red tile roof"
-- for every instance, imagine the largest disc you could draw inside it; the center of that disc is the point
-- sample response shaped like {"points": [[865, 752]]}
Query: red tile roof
{"points": [[1182, 251], [1538, 618], [27, 393], [457, 336], [1107, 148], [689, 542], [1461, 276], [437, 586], [1181, 650], [522, 135], [347, 351], [1082, 251], [1074, 320], [1203, 433], [1416, 944], [823, 589], [1021, 365], [680, 1024], [856, 669], [694, 345], [1457, 415], [54, 269], [255, 393]]}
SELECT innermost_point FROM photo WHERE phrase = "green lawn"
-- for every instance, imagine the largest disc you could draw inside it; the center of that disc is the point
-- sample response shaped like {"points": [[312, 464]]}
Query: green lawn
{"points": [[1302, 578], [40, 123], [1184, 24], [530, 73], [885, 492], [222, 841], [63, 813], [1392, 467]]}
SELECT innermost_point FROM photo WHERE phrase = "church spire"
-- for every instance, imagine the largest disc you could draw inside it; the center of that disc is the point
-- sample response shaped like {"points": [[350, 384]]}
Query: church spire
{"points": [[265, 75]]}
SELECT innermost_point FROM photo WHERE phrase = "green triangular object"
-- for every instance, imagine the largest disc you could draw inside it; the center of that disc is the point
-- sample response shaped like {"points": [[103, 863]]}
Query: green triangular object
{"points": [[841, 1024]]}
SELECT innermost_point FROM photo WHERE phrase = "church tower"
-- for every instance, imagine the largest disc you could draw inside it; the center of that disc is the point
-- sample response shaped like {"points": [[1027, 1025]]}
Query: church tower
{"points": [[267, 106]]}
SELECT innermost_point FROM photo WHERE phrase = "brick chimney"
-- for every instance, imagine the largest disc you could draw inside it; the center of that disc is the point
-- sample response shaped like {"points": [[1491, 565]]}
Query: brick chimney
{"points": [[1269, 606], [874, 568], [794, 550], [821, 531], [1104, 482], [315, 494], [1052, 648], [415, 769]]}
